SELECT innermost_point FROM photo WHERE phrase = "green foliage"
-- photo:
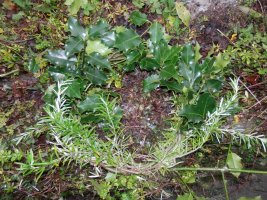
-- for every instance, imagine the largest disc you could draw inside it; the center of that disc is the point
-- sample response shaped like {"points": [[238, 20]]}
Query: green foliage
{"points": [[156, 32], [198, 112], [249, 51], [127, 40], [164, 7], [83, 122], [87, 5], [233, 161], [151, 83], [138, 18], [118, 187]]}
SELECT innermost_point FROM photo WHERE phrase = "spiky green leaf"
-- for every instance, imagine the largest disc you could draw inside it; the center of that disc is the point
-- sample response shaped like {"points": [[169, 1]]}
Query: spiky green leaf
{"points": [[89, 104], [96, 76], [97, 60], [98, 47], [127, 40], [149, 64], [59, 58], [76, 29], [74, 45], [151, 83], [156, 33], [108, 38], [98, 29], [168, 72], [74, 89], [138, 18], [197, 113]]}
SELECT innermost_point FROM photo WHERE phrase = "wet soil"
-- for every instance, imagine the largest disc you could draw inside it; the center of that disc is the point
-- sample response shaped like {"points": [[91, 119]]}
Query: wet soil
{"points": [[145, 115]]}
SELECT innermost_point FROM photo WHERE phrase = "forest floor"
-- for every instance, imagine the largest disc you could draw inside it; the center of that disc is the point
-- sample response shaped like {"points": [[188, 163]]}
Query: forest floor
{"points": [[32, 30]]}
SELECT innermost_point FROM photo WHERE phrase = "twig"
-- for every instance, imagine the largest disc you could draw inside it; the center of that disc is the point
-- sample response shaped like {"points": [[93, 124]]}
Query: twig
{"points": [[257, 102], [8, 73], [249, 90], [225, 36], [251, 86]]}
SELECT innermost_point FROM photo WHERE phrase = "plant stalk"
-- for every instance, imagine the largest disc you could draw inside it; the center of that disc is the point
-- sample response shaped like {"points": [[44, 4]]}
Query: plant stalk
{"points": [[225, 169], [225, 186]]}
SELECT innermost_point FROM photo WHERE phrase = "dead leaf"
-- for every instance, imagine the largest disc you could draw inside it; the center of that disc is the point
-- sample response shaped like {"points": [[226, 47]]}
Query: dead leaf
{"points": [[183, 13]]}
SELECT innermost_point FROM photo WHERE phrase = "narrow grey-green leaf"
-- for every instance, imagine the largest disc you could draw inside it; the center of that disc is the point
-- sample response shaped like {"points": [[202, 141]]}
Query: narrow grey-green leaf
{"points": [[33, 66], [156, 33], [151, 83], [138, 18]]}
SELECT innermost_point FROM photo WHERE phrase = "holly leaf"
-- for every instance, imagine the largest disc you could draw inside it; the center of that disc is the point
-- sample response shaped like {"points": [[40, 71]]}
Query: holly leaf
{"points": [[149, 64], [187, 54], [172, 85], [197, 52], [233, 161], [183, 13], [89, 104], [98, 29], [156, 33], [220, 63], [133, 56], [207, 66], [108, 38], [97, 60], [127, 40], [73, 45], [33, 66], [138, 18], [76, 29], [168, 72], [213, 85], [74, 90], [59, 58], [189, 69], [96, 76], [197, 113], [191, 73], [151, 83], [98, 47]]}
